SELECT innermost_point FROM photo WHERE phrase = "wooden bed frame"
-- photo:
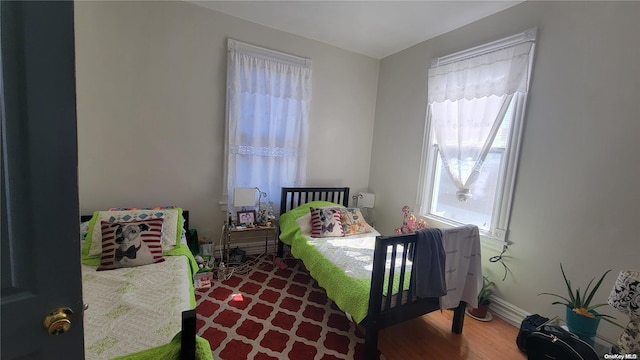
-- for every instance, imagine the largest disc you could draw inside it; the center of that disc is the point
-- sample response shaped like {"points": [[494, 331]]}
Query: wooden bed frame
{"points": [[383, 311], [188, 338]]}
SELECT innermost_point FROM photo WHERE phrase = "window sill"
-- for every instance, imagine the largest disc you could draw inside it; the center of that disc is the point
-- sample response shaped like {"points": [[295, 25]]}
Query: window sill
{"points": [[486, 239]]}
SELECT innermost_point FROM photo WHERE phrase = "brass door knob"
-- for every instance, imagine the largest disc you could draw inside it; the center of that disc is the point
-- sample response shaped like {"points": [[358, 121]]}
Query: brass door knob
{"points": [[59, 321]]}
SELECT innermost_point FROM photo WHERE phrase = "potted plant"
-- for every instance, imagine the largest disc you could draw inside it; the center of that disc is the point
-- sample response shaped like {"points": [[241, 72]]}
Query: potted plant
{"points": [[484, 299], [582, 319]]}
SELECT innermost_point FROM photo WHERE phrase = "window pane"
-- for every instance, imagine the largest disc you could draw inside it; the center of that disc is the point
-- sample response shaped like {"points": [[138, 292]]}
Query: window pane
{"points": [[479, 209]]}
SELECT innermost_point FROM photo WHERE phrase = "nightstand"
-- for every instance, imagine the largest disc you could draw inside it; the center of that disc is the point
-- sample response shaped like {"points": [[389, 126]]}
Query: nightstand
{"points": [[266, 233]]}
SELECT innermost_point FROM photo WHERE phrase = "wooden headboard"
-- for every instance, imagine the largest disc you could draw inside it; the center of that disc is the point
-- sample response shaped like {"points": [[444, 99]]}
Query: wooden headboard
{"points": [[185, 215], [293, 197]]}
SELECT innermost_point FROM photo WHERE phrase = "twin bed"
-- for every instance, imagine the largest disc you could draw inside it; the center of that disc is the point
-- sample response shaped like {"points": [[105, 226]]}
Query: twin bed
{"points": [[139, 311], [367, 275]]}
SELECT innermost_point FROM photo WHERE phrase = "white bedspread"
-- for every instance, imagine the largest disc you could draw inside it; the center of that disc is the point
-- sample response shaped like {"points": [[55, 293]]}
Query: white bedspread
{"points": [[133, 309], [353, 253]]}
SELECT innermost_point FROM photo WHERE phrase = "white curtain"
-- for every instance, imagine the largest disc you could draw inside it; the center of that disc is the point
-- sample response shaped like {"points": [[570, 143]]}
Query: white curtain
{"points": [[467, 101], [268, 98]]}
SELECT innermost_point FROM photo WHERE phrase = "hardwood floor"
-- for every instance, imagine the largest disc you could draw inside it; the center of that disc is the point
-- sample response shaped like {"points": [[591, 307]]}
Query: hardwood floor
{"points": [[430, 337]]}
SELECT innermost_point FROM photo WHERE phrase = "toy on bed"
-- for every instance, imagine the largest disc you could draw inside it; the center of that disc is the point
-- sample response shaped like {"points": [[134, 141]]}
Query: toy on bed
{"points": [[142, 293], [370, 277]]}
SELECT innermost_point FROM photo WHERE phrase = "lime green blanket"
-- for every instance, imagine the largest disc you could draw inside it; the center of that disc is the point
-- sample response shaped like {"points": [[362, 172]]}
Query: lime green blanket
{"points": [[348, 280], [171, 351]]}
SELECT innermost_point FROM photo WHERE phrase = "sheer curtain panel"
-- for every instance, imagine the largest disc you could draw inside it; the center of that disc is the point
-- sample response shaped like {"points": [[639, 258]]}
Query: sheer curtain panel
{"points": [[467, 102], [268, 98]]}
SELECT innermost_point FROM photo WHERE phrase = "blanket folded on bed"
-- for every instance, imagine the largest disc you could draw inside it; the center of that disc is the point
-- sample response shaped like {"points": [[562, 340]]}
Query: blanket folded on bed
{"points": [[171, 351]]}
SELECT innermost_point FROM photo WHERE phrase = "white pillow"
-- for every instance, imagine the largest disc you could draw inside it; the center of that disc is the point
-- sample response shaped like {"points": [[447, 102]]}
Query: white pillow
{"points": [[304, 222], [170, 229]]}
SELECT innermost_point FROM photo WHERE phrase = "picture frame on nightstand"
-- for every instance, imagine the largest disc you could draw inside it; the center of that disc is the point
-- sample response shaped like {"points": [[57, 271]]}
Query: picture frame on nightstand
{"points": [[246, 217]]}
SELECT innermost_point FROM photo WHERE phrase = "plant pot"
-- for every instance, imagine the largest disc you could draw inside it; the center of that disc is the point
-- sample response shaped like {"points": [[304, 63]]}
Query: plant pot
{"points": [[584, 327], [480, 312]]}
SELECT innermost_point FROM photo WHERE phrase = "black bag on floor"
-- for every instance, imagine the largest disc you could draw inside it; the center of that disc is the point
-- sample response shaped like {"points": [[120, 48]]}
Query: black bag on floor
{"points": [[527, 327], [554, 342]]}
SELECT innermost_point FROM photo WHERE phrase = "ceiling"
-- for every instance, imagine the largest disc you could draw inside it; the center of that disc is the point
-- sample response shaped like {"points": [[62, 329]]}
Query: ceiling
{"points": [[373, 28]]}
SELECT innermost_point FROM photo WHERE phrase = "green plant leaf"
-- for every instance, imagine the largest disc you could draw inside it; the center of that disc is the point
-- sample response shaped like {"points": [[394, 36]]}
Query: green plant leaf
{"points": [[586, 291], [573, 299], [576, 299], [485, 292], [568, 302], [596, 306], [605, 318], [593, 292]]}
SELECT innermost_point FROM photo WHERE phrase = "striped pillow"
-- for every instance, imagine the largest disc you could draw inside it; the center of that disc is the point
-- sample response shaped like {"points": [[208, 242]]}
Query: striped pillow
{"points": [[326, 222], [133, 243]]}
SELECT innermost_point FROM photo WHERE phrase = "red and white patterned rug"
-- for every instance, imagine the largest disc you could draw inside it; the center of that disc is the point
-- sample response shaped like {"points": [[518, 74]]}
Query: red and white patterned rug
{"points": [[273, 313]]}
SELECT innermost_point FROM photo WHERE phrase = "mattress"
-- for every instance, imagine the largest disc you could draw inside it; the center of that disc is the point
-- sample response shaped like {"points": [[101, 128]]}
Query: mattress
{"points": [[134, 309]]}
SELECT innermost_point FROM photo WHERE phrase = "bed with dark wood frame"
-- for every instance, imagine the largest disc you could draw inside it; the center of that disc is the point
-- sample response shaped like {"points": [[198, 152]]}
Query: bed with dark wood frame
{"points": [[383, 310], [188, 337]]}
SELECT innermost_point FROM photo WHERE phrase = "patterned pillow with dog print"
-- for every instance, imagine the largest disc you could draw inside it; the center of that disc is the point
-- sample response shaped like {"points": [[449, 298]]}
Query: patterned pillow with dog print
{"points": [[128, 244], [326, 222], [171, 231]]}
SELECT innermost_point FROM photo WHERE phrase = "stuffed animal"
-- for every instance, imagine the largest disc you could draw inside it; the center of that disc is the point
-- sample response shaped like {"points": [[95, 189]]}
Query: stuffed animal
{"points": [[410, 223]]}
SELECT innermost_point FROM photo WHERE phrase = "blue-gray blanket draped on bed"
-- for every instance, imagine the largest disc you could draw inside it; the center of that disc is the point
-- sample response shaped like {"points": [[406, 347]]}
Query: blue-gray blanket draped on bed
{"points": [[429, 260]]}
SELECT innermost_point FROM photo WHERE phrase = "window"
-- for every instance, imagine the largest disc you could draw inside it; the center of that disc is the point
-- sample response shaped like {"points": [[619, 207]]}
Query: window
{"points": [[268, 97], [475, 113]]}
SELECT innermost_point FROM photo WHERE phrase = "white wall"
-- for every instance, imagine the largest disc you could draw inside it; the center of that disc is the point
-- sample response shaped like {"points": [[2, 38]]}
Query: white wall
{"points": [[151, 106], [576, 197]]}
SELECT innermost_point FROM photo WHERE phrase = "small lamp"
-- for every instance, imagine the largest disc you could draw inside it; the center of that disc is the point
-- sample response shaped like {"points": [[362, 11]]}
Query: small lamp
{"points": [[262, 210], [625, 297], [243, 197], [365, 200], [261, 195]]}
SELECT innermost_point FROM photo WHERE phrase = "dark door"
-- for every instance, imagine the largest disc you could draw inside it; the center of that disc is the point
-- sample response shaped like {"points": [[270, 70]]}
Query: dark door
{"points": [[40, 232]]}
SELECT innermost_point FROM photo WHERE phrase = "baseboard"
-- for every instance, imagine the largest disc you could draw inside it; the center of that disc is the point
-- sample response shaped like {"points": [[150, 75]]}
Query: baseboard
{"points": [[255, 247], [250, 248], [507, 311]]}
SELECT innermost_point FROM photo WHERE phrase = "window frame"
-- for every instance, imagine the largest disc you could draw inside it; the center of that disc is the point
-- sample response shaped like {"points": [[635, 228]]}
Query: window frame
{"points": [[498, 232]]}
